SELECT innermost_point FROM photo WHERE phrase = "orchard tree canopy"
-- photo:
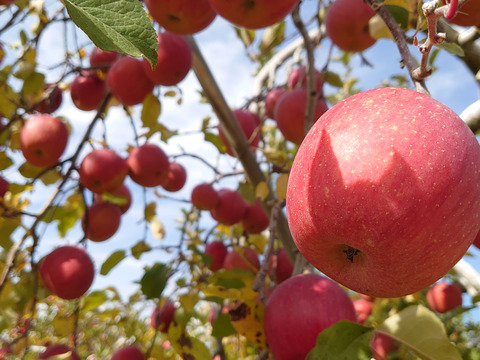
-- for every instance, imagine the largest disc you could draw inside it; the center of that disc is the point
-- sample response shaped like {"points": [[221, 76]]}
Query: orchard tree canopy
{"points": [[232, 179]]}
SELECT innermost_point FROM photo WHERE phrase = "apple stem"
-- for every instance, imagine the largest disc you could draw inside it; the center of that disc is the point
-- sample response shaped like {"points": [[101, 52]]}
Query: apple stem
{"points": [[350, 252]]}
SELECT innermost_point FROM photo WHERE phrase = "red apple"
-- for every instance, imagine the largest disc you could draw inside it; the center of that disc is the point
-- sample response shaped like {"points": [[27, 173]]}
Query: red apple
{"points": [[7, 2], [67, 272], [43, 139], [130, 352], [121, 192], [102, 170], [382, 345], [250, 124], [58, 349], [363, 308], [346, 23], [298, 79], [299, 309], [242, 258], [148, 165], [290, 114], [230, 209], [52, 99], [217, 251], [254, 14], [184, 17], [271, 100], [281, 266], [468, 14], [4, 185], [255, 219], [102, 58], [88, 91], [384, 192], [128, 82], [4, 351], [174, 60], [476, 242], [205, 197], [163, 316], [176, 178], [101, 221], [443, 297]]}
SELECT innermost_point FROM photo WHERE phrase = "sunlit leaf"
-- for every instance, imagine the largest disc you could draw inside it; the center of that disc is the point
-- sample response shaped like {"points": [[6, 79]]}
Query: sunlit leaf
{"points": [[64, 325], [150, 111], [186, 346], [246, 35], [157, 228], [261, 190], [247, 319], [281, 187], [139, 248], [272, 36], [5, 161], [112, 261], [150, 210]]}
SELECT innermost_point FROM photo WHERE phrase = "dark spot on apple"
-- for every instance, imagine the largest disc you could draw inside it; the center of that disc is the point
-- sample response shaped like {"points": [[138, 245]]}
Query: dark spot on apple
{"points": [[249, 4], [39, 152], [350, 252], [173, 18]]}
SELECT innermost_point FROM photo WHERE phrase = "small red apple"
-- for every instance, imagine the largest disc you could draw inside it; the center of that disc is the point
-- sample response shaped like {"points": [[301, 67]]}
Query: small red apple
{"points": [[148, 165], [88, 91], [130, 352], [217, 251], [123, 192], [205, 197], [163, 316], [43, 140], [468, 14], [443, 297], [271, 100], [52, 101], [99, 57], [176, 178], [382, 345], [363, 308], [299, 309], [67, 272], [58, 349], [7, 2], [242, 258], [255, 219], [4, 351], [230, 209], [101, 221], [4, 185], [250, 124], [281, 266], [298, 79]]}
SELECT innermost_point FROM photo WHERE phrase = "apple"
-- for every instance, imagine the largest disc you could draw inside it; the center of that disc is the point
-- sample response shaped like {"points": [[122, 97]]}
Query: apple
{"points": [[254, 14], [176, 178], [102, 58], [130, 352], [468, 14], [205, 197], [148, 165], [384, 192], [231, 207], [250, 124], [52, 101], [4, 351], [163, 316], [121, 193], [280, 266], [363, 308], [289, 114], [7, 2], [217, 251], [255, 219], [443, 297], [299, 309], [271, 100], [298, 79], [382, 345], [128, 82], [102, 170], [43, 140], [476, 242], [184, 17], [67, 272], [101, 221], [58, 349], [4, 185], [88, 91], [346, 23], [243, 258]]}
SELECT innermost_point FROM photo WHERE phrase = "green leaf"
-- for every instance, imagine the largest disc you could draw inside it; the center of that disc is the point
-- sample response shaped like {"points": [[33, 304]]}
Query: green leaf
{"points": [[187, 346], [93, 300], [112, 261], [5, 161], [154, 281], [422, 331], [343, 341], [273, 36], [246, 35], [452, 48], [222, 326], [334, 79], [116, 25], [140, 248]]}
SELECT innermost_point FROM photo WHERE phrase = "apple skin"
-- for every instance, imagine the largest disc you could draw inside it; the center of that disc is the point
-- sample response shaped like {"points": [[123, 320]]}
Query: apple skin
{"points": [[163, 316], [102, 170], [67, 272], [373, 193], [43, 140], [470, 14], [4, 185], [99, 57], [53, 100], [205, 197], [121, 191], [282, 264], [148, 165], [443, 297], [242, 258], [298, 79], [130, 352], [255, 219], [58, 349], [299, 309], [363, 308], [346, 23], [176, 178], [382, 345], [88, 91], [254, 14], [231, 207], [249, 122], [101, 221], [7, 2], [128, 82], [185, 17], [217, 251], [271, 101], [289, 114], [476, 242]]}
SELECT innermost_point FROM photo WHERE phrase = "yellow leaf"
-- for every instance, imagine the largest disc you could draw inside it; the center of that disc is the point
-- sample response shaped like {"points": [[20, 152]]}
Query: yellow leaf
{"points": [[406, 4], [259, 241], [150, 111], [189, 301], [157, 228], [247, 319], [150, 211], [261, 191], [64, 325], [378, 29], [281, 187]]}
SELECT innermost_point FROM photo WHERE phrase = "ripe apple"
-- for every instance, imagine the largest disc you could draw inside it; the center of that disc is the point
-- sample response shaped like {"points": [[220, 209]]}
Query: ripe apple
{"points": [[4, 185], [102, 170], [121, 192], [250, 124], [363, 308], [346, 23], [67, 272], [88, 91], [382, 345], [101, 221], [128, 82], [184, 17], [443, 297], [254, 14], [299, 309], [476, 242], [7, 2], [271, 100], [43, 139], [58, 349], [298, 79], [53, 99], [468, 14], [4, 351], [280, 265], [384, 192], [148, 165], [242, 258], [217, 251], [205, 197], [102, 58], [290, 114], [230, 209], [255, 219], [176, 178], [163, 316], [130, 352]]}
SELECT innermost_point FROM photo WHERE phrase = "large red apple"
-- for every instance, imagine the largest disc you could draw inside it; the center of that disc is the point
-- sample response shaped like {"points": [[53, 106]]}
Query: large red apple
{"points": [[255, 219], [184, 17], [102, 170], [102, 58], [163, 316], [101, 221], [130, 352], [280, 266], [121, 193], [443, 297], [468, 14], [242, 258], [205, 197], [230, 209], [43, 139], [250, 124], [363, 308], [346, 23], [58, 349], [217, 251], [176, 178], [148, 165], [289, 113], [67, 272], [88, 91], [384, 192], [254, 14], [299, 309]]}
